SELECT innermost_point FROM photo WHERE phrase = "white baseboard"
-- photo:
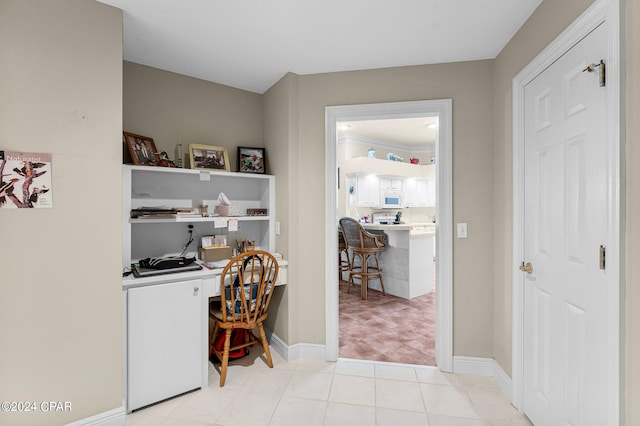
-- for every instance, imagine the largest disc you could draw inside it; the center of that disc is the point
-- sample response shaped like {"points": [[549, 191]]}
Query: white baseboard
{"points": [[483, 367], [307, 351], [299, 350], [503, 379], [115, 417], [277, 344], [473, 365]]}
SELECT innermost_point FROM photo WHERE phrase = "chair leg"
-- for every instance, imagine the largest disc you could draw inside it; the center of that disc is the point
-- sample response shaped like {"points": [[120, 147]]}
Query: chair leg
{"points": [[265, 345], [351, 262], [225, 357], [379, 274], [364, 286], [212, 338]]}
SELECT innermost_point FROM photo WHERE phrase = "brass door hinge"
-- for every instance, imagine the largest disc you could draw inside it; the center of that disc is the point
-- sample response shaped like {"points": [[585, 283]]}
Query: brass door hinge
{"points": [[603, 71], [528, 268]]}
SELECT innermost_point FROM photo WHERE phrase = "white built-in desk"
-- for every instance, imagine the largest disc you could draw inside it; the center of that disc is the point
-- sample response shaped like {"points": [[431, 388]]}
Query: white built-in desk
{"points": [[175, 314]]}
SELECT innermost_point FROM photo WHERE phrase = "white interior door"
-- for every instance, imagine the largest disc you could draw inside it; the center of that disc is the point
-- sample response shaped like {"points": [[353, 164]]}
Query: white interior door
{"points": [[565, 224]]}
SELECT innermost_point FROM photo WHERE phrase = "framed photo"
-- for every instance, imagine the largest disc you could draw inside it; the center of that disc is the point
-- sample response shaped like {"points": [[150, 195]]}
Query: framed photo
{"points": [[206, 157], [251, 160], [142, 149]]}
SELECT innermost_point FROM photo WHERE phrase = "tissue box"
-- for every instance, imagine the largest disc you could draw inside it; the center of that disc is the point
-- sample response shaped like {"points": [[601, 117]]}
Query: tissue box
{"points": [[223, 210], [213, 254]]}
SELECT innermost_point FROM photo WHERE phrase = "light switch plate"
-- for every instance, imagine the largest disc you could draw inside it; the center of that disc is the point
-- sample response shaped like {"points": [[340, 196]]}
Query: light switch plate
{"points": [[461, 230], [277, 230]]}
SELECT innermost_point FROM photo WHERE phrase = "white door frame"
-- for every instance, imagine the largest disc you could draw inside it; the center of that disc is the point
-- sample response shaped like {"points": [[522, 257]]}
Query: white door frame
{"points": [[595, 15], [444, 216]]}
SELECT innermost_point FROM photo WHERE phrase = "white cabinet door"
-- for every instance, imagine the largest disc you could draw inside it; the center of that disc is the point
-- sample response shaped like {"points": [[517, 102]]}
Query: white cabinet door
{"points": [[431, 192], [417, 192], [390, 183], [367, 191], [164, 343]]}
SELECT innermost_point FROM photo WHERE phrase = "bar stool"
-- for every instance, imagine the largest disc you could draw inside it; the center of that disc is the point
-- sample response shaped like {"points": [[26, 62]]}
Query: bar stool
{"points": [[343, 263], [365, 246]]}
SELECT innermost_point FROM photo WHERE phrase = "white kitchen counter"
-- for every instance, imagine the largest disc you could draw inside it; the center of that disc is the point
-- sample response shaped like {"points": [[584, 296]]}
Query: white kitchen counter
{"points": [[416, 230], [377, 227]]}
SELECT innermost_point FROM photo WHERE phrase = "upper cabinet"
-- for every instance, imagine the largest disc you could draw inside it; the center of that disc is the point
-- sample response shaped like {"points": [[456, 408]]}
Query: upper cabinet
{"points": [[364, 190], [419, 192], [368, 177], [145, 186], [390, 183]]}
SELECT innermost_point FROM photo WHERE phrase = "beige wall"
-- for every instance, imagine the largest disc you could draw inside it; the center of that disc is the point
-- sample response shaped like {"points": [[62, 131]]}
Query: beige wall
{"points": [[549, 20], [631, 20], [469, 85], [61, 91], [280, 105], [61, 301], [170, 108]]}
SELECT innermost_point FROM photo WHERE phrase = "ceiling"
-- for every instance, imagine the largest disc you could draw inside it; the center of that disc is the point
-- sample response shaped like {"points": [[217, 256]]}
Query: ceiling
{"points": [[251, 44], [406, 133]]}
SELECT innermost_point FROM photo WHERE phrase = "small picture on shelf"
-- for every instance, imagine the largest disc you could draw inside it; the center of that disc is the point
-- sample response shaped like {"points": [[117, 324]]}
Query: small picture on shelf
{"points": [[251, 160], [206, 157], [142, 149]]}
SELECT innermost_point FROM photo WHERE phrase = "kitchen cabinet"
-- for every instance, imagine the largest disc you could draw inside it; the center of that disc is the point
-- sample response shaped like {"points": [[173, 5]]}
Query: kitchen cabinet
{"points": [[364, 189], [419, 192], [431, 192], [390, 183], [164, 345]]}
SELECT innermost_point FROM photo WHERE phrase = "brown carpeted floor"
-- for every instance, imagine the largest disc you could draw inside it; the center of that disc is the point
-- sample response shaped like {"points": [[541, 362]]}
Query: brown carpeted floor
{"points": [[387, 328]]}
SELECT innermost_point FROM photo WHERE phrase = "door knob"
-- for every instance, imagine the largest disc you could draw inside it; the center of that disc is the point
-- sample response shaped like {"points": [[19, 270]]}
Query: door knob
{"points": [[528, 268]]}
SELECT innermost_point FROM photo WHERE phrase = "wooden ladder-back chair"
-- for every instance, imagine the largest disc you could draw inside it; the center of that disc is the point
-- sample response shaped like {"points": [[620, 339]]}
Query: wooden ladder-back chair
{"points": [[246, 287], [366, 246]]}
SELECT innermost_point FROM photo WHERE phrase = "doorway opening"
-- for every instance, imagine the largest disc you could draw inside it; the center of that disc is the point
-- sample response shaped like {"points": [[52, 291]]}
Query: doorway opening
{"points": [[378, 159], [437, 110]]}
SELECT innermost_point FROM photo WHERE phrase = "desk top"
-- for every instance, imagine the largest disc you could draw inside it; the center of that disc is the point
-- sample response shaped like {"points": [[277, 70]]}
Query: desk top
{"points": [[204, 273]]}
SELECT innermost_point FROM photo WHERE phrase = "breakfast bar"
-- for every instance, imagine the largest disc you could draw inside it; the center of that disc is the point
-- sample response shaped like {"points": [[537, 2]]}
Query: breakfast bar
{"points": [[407, 261]]}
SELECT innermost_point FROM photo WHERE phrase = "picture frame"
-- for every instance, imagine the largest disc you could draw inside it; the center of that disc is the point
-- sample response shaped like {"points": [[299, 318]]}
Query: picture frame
{"points": [[208, 157], [142, 149], [251, 160]]}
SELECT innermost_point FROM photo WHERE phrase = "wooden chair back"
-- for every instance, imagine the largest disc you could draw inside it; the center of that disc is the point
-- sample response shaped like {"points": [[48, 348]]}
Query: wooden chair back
{"points": [[246, 287]]}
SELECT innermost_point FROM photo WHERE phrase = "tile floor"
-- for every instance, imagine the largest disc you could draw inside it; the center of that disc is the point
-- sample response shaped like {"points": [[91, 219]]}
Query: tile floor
{"points": [[404, 329], [346, 393]]}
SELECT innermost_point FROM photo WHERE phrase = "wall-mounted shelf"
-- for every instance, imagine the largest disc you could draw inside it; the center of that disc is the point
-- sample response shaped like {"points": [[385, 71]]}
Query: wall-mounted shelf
{"points": [[386, 167], [145, 186]]}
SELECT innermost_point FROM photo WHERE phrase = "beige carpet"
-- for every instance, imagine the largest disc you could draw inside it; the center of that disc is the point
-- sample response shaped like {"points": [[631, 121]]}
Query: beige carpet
{"points": [[387, 328]]}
